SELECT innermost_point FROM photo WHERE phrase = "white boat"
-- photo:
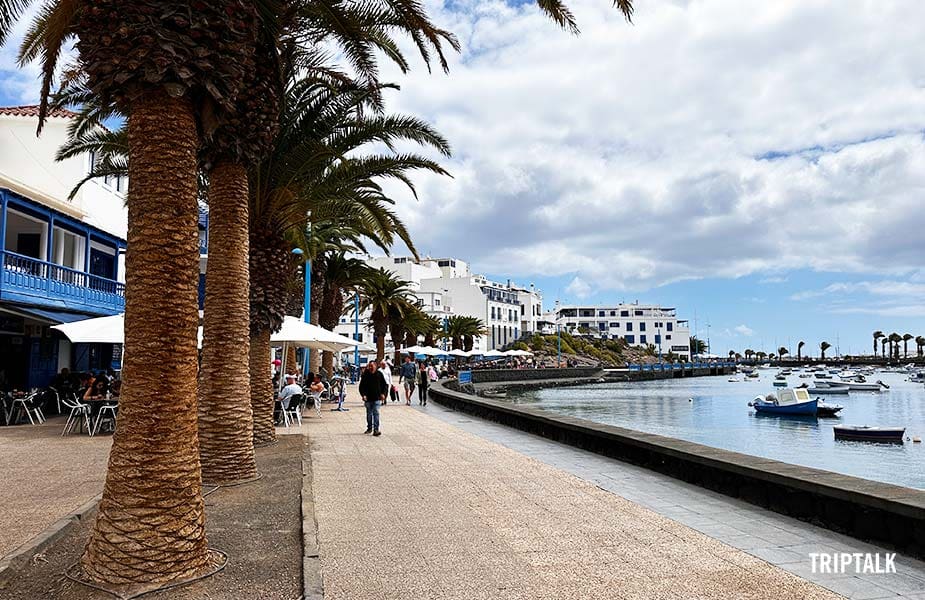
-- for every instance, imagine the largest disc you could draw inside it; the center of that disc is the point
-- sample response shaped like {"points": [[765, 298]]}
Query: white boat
{"points": [[917, 377], [733, 380]]}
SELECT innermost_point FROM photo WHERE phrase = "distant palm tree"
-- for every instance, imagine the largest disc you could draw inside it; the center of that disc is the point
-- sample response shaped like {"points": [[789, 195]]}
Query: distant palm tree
{"points": [[823, 347], [919, 343], [748, 353], [883, 343], [383, 294], [732, 354], [894, 339], [877, 335], [781, 352], [906, 338], [761, 355], [800, 350]]}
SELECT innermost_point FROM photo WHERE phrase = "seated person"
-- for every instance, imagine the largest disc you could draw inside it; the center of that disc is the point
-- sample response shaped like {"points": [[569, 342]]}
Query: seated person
{"points": [[292, 389], [96, 390], [316, 386]]}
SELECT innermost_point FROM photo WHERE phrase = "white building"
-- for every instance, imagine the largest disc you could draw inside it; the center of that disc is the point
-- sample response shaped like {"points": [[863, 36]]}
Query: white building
{"points": [[445, 287], [640, 325], [62, 258]]}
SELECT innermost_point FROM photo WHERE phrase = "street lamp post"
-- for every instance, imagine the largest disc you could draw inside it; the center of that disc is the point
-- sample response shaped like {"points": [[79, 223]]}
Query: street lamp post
{"points": [[356, 337], [307, 302], [559, 344]]}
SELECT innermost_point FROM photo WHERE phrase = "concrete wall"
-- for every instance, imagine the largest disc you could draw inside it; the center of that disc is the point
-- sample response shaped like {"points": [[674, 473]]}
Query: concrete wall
{"points": [[865, 509]]}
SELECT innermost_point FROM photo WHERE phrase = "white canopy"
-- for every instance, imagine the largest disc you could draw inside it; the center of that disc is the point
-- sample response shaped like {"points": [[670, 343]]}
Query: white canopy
{"points": [[299, 333], [96, 330], [518, 353], [458, 352], [494, 354], [412, 350]]}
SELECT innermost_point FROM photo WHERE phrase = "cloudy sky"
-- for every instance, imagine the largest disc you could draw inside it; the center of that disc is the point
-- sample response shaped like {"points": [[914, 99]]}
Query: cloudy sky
{"points": [[760, 165]]}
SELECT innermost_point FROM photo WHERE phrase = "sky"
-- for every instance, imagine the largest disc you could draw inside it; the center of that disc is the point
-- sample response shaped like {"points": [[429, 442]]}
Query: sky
{"points": [[757, 165]]}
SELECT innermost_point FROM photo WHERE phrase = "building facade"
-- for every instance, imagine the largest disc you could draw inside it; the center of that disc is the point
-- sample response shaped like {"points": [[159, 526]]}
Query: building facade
{"points": [[63, 259], [445, 287], [640, 325]]}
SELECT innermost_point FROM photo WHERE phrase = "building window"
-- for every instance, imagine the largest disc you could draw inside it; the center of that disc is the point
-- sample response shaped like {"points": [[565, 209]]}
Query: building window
{"points": [[629, 326], [624, 313], [436, 302], [522, 310], [642, 326], [601, 313], [584, 325], [615, 325], [658, 339], [492, 312], [630, 339], [668, 337], [669, 326], [638, 313], [642, 339], [613, 313], [602, 326], [399, 261]]}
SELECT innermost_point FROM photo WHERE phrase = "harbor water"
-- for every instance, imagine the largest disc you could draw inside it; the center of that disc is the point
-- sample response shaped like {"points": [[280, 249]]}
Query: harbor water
{"points": [[713, 411]]}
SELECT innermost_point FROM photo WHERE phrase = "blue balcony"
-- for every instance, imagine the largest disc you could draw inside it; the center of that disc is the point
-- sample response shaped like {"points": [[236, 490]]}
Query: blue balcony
{"points": [[31, 281]]}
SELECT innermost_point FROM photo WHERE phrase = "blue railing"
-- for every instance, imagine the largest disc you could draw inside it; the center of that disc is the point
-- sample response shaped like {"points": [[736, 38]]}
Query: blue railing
{"points": [[34, 281]]}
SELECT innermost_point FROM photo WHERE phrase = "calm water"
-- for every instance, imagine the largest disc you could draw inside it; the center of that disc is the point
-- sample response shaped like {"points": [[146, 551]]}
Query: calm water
{"points": [[714, 412]]}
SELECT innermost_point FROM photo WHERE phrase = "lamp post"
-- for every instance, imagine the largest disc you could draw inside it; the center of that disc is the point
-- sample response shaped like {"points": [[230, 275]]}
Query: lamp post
{"points": [[559, 344], [307, 302], [356, 337]]}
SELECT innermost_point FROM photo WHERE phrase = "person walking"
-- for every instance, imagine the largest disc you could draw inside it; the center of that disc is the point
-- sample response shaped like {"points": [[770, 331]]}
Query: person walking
{"points": [[386, 371], [423, 379], [407, 375], [372, 390]]}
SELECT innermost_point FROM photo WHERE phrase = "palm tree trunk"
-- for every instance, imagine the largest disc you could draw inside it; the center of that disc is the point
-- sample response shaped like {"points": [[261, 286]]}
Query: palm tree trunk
{"points": [[327, 363], [226, 425], [261, 389], [314, 355], [150, 526]]}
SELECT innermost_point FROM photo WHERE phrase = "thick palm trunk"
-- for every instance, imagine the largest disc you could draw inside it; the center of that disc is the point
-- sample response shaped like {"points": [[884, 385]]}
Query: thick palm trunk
{"points": [[150, 527], [292, 361], [226, 439], [314, 355], [261, 389]]}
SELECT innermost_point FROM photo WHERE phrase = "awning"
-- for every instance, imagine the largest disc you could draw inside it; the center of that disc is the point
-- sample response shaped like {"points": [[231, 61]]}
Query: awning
{"points": [[51, 317]]}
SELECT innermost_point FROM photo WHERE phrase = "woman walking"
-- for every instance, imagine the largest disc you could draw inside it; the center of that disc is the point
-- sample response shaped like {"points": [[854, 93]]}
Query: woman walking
{"points": [[422, 381]]}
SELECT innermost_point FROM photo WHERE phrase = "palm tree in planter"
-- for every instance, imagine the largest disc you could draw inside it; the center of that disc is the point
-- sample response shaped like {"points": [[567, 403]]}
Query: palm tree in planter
{"points": [[823, 346], [161, 66], [906, 338], [877, 335], [919, 343], [800, 351], [385, 296]]}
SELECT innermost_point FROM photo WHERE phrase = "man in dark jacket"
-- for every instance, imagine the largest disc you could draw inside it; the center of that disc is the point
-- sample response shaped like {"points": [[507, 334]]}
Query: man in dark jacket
{"points": [[373, 389]]}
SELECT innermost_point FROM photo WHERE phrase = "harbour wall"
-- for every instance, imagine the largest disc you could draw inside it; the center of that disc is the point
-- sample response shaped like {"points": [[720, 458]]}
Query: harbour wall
{"points": [[868, 510]]}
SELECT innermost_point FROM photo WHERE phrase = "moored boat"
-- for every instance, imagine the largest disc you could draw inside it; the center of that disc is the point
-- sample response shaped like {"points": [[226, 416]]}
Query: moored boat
{"points": [[863, 433], [824, 409], [788, 401], [828, 389]]}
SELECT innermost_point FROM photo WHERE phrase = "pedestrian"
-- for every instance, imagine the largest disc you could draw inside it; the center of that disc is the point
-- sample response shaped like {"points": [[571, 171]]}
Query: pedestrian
{"points": [[386, 371], [407, 375], [422, 381], [373, 391]]}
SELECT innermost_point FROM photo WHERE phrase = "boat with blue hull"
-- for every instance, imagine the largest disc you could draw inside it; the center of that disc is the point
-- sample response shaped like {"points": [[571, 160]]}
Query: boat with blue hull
{"points": [[788, 401]]}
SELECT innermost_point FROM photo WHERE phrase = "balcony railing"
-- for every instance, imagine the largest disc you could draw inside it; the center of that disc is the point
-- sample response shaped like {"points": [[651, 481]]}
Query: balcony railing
{"points": [[27, 279]]}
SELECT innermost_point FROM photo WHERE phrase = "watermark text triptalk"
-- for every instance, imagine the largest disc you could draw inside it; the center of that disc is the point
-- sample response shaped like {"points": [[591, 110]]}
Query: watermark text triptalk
{"points": [[853, 562]]}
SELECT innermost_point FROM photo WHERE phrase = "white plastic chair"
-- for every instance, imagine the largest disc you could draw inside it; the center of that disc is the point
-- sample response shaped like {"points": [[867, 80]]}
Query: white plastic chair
{"points": [[29, 408], [79, 417], [111, 409], [294, 411]]}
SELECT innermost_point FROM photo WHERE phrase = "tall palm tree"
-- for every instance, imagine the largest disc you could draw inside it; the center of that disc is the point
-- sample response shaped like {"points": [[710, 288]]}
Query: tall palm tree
{"points": [[800, 350], [877, 335], [906, 338], [149, 528], [748, 353], [385, 296], [472, 327], [823, 346], [883, 343], [342, 275], [455, 330], [894, 339], [782, 351]]}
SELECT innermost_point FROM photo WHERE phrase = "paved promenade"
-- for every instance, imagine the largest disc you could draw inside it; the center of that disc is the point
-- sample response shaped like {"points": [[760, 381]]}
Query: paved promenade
{"points": [[45, 477], [429, 510]]}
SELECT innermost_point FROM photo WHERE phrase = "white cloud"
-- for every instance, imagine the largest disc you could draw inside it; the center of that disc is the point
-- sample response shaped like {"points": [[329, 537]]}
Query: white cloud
{"points": [[579, 288], [888, 297], [710, 138], [744, 330]]}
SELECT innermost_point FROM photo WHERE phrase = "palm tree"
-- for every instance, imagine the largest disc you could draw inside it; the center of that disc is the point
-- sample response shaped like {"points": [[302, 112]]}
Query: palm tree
{"points": [[455, 329], [800, 350], [471, 328], [761, 355], [823, 346], [149, 529], [894, 339], [877, 335], [732, 354], [748, 353], [385, 296], [919, 342], [883, 343], [781, 352], [342, 275], [906, 338]]}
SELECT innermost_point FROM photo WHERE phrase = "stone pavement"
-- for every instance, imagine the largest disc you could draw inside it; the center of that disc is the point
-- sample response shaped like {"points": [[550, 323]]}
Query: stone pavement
{"points": [[429, 510], [44, 477], [778, 539]]}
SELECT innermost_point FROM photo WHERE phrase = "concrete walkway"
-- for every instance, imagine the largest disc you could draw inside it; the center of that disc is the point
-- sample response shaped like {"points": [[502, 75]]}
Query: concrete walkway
{"points": [[429, 510], [45, 477]]}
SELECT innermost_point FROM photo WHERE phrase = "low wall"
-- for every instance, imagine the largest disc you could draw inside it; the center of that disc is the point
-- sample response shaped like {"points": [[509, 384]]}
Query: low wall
{"points": [[864, 509], [505, 375]]}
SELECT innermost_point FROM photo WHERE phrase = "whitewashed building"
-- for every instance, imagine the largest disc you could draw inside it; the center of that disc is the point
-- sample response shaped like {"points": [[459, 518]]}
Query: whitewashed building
{"points": [[62, 259], [640, 325], [445, 287]]}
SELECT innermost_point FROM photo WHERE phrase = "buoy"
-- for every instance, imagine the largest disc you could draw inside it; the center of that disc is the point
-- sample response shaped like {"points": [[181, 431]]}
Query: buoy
{"points": [[690, 399], [916, 440]]}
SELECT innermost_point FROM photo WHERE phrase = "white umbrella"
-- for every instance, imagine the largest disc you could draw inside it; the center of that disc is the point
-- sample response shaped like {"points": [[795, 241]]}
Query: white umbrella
{"points": [[431, 351], [412, 350], [97, 330], [519, 353], [458, 352], [494, 354], [299, 333]]}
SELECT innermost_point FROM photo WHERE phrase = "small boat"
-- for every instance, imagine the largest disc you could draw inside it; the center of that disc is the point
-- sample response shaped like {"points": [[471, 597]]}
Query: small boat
{"points": [[825, 389], [822, 375], [824, 409], [752, 375], [858, 386], [863, 433], [780, 382], [787, 401], [917, 377], [805, 375], [733, 380]]}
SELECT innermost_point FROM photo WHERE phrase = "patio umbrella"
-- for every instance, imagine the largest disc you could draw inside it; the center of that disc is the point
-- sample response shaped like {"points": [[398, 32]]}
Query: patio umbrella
{"points": [[412, 350], [100, 330], [494, 354], [297, 332], [459, 353]]}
